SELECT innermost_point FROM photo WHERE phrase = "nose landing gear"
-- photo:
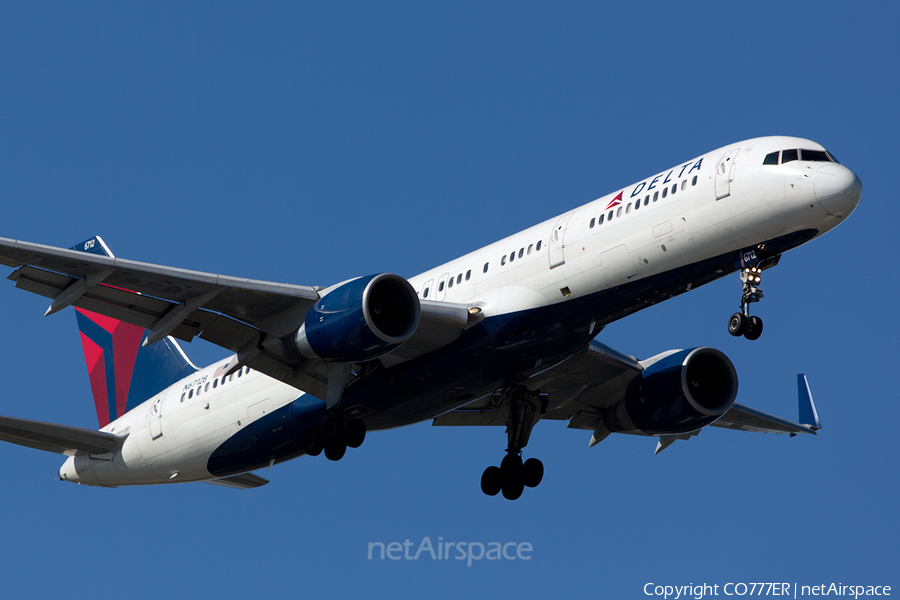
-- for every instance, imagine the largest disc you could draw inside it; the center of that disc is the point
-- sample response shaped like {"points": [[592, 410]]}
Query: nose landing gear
{"points": [[741, 323]]}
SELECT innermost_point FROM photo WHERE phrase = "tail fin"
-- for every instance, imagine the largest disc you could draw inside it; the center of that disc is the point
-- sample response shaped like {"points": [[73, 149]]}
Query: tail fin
{"points": [[122, 372]]}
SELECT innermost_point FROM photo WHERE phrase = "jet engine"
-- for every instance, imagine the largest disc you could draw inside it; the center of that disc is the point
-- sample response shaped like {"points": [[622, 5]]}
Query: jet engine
{"points": [[358, 321], [676, 393]]}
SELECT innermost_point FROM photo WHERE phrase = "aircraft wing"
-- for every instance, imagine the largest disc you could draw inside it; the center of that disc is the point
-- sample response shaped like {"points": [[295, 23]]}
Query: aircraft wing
{"points": [[744, 418], [61, 439], [246, 316], [577, 390], [582, 388]]}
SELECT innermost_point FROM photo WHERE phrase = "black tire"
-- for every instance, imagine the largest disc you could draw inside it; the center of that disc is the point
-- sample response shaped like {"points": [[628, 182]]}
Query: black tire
{"points": [[313, 442], [491, 481], [534, 472], [754, 328], [737, 324], [333, 428], [511, 469], [355, 433], [335, 452], [512, 491]]}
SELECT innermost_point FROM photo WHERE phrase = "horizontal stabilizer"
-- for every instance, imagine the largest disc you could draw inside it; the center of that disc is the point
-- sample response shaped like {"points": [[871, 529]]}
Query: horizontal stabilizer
{"points": [[244, 481], [61, 439]]}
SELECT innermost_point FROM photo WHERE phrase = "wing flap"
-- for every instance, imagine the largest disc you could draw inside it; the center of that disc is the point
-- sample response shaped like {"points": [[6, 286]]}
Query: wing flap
{"points": [[60, 439]]}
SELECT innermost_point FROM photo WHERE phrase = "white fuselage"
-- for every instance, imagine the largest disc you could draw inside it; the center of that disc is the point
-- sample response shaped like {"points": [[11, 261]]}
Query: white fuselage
{"points": [[721, 202]]}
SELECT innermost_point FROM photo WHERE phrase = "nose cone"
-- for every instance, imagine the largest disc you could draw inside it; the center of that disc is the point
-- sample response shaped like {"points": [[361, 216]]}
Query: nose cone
{"points": [[67, 472], [838, 189]]}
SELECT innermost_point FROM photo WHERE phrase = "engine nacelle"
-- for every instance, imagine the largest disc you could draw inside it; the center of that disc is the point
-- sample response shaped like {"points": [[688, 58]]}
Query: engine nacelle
{"points": [[679, 393], [358, 321]]}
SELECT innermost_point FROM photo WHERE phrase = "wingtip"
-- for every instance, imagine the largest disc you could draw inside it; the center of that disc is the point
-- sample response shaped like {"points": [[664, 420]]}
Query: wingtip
{"points": [[809, 416]]}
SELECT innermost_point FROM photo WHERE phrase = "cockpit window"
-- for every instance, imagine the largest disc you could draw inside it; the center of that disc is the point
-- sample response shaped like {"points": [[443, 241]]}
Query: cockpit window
{"points": [[807, 155], [814, 155]]}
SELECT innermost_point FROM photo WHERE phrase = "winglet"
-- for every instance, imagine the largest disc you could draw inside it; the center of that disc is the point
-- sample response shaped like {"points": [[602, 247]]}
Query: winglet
{"points": [[808, 414]]}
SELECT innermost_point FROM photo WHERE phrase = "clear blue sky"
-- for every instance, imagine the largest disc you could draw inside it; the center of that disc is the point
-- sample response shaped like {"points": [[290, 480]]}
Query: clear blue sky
{"points": [[292, 142]]}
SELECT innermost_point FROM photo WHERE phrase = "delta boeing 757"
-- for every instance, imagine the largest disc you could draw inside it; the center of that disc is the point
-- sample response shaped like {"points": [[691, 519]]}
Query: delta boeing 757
{"points": [[505, 335]]}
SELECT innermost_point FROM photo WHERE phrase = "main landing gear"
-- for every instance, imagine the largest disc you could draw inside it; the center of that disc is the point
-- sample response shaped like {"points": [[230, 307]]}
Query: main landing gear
{"points": [[741, 323], [335, 436], [521, 409]]}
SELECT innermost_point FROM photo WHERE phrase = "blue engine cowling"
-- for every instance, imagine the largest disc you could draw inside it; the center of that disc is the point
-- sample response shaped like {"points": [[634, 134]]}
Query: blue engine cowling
{"points": [[358, 321], [679, 393]]}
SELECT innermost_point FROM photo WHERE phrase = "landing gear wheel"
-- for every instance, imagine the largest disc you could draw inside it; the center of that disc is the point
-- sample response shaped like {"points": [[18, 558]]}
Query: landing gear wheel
{"points": [[491, 481], [335, 451], [534, 472], [754, 328], [512, 491], [737, 324], [333, 427], [355, 433], [511, 469], [313, 442]]}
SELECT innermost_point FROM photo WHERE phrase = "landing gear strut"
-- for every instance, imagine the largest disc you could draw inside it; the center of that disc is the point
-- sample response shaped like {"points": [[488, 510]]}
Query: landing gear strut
{"points": [[334, 436], [521, 409], [741, 323]]}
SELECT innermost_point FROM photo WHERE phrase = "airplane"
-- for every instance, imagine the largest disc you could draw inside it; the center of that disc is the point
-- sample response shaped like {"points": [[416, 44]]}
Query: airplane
{"points": [[505, 335]]}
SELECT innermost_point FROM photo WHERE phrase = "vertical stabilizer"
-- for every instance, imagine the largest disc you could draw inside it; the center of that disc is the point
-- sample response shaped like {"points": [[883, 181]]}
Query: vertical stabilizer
{"points": [[122, 372]]}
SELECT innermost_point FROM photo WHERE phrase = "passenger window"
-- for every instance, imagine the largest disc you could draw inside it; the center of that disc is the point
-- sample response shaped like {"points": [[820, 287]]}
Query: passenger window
{"points": [[674, 188], [665, 192], [182, 396], [646, 199], [655, 196], [628, 208], [684, 185], [459, 278], [485, 267], [530, 248], [591, 226], [240, 373], [468, 274], [538, 247], [441, 286], [609, 216], [694, 180], [512, 256], [521, 252], [788, 156], [425, 293], [215, 383], [637, 204], [771, 159], [191, 393], [206, 389], [619, 212], [502, 260], [450, 283], [601, 219], [223, 379]]}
